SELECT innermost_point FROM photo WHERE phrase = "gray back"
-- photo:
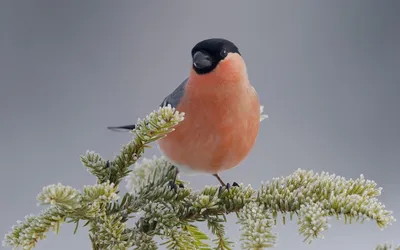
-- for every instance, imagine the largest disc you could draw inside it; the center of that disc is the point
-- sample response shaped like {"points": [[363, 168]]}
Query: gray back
{"points": [[175, 97]]}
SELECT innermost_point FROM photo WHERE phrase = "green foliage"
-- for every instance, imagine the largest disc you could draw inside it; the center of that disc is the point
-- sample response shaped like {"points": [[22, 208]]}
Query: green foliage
{"points": [[26, 234], [387, 246], [215, 224], [256, 227], [63, 196], [156, 125], [173, 214], [315, 197]]}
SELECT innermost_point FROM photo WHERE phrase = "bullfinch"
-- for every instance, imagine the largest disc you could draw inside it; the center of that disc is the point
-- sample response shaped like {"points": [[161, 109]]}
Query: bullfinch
{"points": [[222, 112]]}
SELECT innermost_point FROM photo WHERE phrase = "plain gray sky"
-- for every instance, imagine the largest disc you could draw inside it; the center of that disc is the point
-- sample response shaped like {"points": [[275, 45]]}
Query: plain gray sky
{"points": [[326, 71]]}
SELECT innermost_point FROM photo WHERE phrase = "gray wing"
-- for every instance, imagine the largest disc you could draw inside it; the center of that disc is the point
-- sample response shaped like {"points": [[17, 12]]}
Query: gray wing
{"points": [[173, 99]]}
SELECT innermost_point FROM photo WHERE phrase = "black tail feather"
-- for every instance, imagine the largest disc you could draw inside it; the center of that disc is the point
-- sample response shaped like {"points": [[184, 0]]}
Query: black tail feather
{"points": [[125, 128]]}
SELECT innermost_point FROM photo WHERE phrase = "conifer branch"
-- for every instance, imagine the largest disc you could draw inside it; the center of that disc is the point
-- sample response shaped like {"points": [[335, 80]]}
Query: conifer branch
{"points": [[155, 126], [171, 214], [387, 246]]}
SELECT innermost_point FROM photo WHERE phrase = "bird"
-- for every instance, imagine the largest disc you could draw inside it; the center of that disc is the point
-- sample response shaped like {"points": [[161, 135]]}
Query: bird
{"points": [[222, 112]]}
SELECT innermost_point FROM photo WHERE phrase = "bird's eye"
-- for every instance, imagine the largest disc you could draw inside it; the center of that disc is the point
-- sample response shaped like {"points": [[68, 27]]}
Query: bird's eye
{"points": [[224, 53]]}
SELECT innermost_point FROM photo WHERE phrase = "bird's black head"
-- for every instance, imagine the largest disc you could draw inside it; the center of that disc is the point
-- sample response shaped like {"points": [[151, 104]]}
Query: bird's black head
{"points": [[208, 53]]}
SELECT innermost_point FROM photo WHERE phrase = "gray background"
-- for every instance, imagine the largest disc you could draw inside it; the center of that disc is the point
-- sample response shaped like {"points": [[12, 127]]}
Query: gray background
{"points": [[327, 73]]}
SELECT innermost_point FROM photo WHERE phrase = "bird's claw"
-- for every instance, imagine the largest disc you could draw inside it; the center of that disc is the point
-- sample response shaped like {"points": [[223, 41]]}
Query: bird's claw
{"points": [[108, 164], [175, 186], [228, 186]]}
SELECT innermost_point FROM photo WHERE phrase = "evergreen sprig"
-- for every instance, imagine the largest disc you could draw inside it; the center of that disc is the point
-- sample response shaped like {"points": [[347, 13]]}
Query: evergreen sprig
{"points": [[387, 246], [173, 214], [256, 226], [155, 126], [65, 203]]}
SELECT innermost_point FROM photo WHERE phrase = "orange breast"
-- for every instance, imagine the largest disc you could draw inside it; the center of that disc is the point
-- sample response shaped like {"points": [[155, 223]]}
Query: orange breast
{"points": [[221, 124]]}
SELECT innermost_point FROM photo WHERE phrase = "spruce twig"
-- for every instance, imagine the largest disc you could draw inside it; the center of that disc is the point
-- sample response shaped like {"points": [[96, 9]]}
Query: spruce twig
{"points": [[172, 214]]}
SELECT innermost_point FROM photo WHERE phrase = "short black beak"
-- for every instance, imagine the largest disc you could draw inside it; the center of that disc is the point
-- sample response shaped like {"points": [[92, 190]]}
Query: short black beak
{"points": [[201, 60]]}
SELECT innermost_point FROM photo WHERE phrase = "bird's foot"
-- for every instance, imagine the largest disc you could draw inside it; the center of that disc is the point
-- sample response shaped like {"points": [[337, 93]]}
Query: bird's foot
{"points": [[108, 164], [228, 186], [174, 186], [172, 183]]}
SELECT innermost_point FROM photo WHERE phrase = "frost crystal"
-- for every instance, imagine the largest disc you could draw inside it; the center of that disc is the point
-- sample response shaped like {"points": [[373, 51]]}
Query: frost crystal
{"points": [[355, 199], [60, 195], [154, 168], [387, 246], [256, 226], [158, 123], [312, 220], [171, 211], [26, 234]]}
